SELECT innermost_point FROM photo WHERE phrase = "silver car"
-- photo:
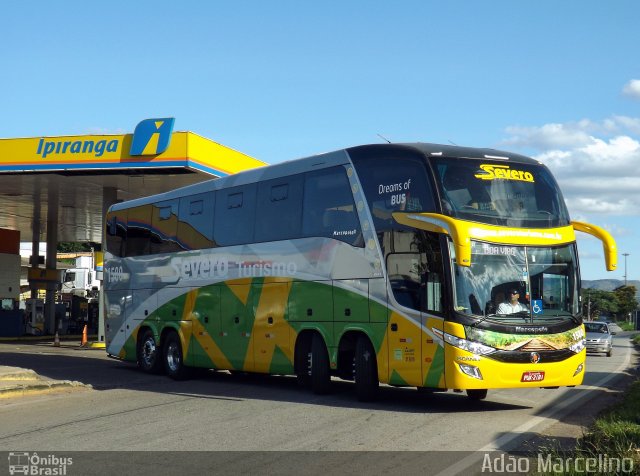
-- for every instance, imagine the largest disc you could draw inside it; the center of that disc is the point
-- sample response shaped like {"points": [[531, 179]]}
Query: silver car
{"points": [[599, 338]]}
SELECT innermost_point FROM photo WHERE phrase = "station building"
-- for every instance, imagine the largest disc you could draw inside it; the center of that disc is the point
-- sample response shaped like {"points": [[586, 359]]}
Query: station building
{"points": [[58, 189]]}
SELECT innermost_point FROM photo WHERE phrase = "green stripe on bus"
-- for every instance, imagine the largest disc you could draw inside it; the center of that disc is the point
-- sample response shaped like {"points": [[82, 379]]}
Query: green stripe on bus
{"points": [[436, 370]]}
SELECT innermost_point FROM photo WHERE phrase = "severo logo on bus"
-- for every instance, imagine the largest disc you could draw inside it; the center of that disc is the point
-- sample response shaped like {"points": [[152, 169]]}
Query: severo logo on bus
{"points": [[504, 172]]}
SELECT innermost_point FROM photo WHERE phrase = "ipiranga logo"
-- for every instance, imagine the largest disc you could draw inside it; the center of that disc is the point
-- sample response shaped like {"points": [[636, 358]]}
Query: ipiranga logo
{"points": [[58, 147], [152, 136], [492, 172]]}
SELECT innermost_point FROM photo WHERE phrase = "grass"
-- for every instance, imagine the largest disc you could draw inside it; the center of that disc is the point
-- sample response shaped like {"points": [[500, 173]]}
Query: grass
{"points": [[614, 436], [626, 326]]}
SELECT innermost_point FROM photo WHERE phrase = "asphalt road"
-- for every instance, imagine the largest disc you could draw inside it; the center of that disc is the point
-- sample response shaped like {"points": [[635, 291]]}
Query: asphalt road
{"points": [[251, 420]]}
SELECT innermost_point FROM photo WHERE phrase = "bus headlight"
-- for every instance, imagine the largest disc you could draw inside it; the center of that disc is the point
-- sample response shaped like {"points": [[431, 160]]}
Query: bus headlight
{"points": [[471, 371], [464, 344], [577, 347]]}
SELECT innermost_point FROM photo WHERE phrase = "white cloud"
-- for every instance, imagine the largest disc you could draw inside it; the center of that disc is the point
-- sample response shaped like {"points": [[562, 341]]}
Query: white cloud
{"points": [[548, 136], [632, 89], [597, 164], [630, 124], [599, 205], [555, 137]]}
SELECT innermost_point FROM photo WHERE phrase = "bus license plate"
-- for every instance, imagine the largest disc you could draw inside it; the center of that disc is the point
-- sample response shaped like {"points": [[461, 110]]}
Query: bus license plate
{"points": [[532, 377]]}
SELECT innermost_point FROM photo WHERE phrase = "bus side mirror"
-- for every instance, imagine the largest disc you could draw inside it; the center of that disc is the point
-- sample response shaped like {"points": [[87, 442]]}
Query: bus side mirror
{"points": [[608, 243]]}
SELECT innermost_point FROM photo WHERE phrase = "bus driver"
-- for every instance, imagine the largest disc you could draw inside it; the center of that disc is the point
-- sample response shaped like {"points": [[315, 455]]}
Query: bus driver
{"points": [[512, 305]]}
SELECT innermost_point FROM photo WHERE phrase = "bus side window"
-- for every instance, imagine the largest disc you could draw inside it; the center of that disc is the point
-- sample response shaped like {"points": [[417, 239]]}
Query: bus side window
{"points": [[116, 232], [404, 276], [415, 270], [164, 223], [396, 181], [138, 231], [329, 210], [195, 221], [279, 209], [234, 218]]}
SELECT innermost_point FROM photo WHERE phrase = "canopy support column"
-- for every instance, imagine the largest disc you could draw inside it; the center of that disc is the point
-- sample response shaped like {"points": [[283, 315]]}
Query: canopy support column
{"points": [[51, 261]]}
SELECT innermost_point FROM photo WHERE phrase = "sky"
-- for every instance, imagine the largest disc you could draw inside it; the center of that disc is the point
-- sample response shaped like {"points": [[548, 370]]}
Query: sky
{"points": [[279, 80]]}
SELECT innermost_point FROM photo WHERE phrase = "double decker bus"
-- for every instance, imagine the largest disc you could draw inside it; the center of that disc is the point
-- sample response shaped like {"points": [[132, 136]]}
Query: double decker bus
{"points": [[418, 265]]}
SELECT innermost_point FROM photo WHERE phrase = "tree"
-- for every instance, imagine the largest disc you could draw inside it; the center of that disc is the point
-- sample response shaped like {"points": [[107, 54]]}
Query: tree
{"points": [[627, 302], [596, 302], [71, 247]]}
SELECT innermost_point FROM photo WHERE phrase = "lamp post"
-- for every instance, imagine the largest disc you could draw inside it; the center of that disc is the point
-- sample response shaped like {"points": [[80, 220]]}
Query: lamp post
{"points": [[625, 267]]}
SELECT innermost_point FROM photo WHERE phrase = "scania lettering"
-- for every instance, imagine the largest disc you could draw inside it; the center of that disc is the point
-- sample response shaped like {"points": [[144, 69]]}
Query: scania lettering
{"points": [[386, 263]]}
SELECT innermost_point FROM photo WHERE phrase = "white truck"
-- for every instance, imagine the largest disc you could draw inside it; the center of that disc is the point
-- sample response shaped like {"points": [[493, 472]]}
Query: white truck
{"points": [[82, 280]]}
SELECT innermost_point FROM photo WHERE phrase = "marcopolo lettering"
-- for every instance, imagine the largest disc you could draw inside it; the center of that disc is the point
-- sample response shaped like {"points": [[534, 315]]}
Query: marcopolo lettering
{"points": [[504, 172], [97, 148]]}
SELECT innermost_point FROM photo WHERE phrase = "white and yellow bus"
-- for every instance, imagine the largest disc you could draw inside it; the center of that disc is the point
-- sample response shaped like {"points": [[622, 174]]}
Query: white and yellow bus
{"points": [[417, 265]]}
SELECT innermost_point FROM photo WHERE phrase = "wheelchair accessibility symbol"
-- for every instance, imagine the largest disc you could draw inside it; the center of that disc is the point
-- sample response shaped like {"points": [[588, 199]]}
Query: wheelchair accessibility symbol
{"points": [[536, 307]]}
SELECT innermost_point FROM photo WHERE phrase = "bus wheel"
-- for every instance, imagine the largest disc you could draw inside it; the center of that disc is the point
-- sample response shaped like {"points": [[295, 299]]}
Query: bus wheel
{"points": [[148, 353], [365, 369], [477, 394], [172, 353], [302, 359], [318, 364]]}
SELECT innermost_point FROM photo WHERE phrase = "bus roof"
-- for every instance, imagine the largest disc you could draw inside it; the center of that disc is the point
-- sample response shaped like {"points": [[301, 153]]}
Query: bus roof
{"points": [[330, 159], [453, 151]]}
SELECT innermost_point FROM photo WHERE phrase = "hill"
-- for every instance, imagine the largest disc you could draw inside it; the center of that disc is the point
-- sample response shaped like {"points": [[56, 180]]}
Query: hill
{"points": [[608, 284]]}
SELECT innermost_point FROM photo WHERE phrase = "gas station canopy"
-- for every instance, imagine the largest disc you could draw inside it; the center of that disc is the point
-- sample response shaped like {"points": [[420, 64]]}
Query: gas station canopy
{"points": [[68, 182], [56, 189]]}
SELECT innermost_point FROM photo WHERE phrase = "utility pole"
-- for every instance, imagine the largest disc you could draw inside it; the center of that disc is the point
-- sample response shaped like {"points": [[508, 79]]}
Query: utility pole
{"points": [[625, 267]]}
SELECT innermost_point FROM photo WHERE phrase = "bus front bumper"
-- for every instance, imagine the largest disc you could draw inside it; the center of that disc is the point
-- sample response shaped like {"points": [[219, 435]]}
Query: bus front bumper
{"points": [[464, 370]]}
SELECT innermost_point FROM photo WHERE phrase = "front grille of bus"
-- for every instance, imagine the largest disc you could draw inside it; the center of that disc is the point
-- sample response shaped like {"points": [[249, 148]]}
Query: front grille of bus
{"points": [[520, 357]]}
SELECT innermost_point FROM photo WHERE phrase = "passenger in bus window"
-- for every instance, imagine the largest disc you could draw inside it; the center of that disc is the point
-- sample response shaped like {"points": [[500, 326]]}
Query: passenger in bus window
{"points": [[512, 305]]}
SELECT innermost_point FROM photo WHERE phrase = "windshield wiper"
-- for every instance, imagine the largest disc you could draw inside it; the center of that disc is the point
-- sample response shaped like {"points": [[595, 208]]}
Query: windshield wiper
{"points": [[482, 319], [519, 314], [523, 314], [556, 316]]}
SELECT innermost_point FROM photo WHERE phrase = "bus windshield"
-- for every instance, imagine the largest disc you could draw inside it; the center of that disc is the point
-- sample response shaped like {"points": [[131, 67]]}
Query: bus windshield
{"points": [[512, 283], [500, 193]]}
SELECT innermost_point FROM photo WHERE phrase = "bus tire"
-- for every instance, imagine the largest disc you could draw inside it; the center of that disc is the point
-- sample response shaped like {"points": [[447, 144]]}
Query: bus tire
{"points": [[477, 394], [302, 359], [148, 354], [365, 369], [172, 357], [318, 364]]}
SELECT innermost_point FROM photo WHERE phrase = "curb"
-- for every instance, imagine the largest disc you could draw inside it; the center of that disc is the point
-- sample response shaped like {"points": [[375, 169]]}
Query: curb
{"points": [[45, 338], [16, 381], [20, 374], [42, 386]]}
